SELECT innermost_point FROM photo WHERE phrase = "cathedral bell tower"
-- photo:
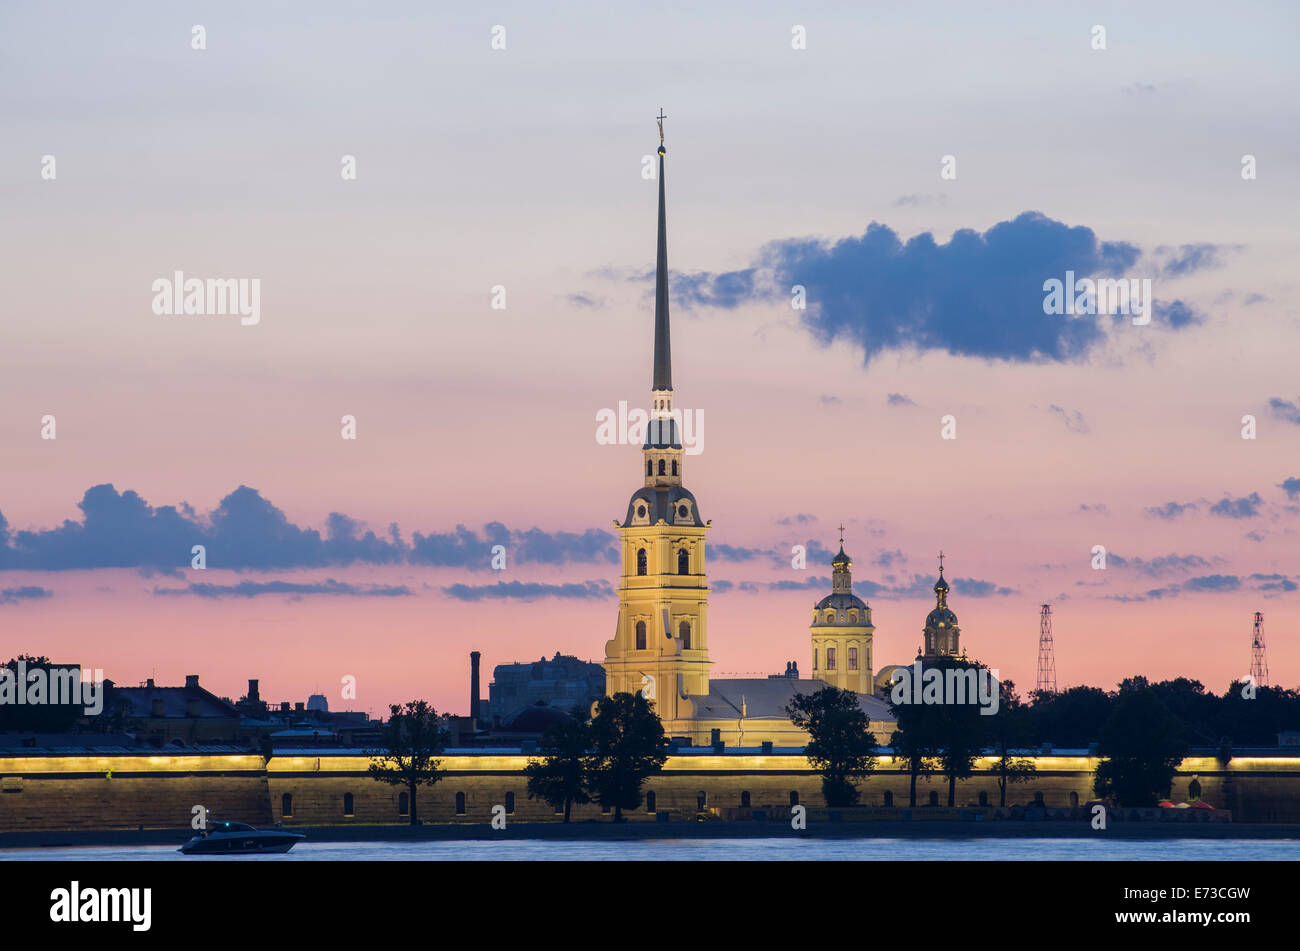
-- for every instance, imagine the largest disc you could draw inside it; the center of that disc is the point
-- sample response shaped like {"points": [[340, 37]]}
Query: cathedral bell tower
{"points": [[941, 631], [660, 646], [842, 632]]}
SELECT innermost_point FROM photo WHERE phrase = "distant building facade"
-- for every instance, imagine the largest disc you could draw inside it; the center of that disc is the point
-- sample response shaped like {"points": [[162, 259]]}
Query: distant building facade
{"points": [[562, 682]]}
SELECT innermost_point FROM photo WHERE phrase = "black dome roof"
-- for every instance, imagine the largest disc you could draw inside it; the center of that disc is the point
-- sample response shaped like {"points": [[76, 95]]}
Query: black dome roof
{"points": [[662, 504], [535, 719], [941, 616], [841, 600]]}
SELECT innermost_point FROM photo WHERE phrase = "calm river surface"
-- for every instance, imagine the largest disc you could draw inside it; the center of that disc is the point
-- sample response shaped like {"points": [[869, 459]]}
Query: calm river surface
{"points": [[746, 850]]}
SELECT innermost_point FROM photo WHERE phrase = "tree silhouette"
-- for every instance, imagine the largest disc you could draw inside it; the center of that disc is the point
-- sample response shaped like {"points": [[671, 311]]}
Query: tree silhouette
{"points": [[628, 746], [560, 776], [409, 744], [1141, 744], [46, 717], [841, 746], [1010, 729]]}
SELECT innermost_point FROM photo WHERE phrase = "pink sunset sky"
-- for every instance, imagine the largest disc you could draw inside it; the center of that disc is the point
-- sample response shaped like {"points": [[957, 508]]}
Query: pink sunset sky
{"points": [[522, 168]]}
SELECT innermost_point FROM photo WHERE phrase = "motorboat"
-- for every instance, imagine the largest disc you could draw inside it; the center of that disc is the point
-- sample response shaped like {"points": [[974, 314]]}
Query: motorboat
{"points": [[238, 838]]}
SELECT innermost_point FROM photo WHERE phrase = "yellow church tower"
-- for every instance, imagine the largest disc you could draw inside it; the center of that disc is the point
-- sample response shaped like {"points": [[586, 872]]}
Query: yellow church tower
{"points": [[661, 646], [842, 632]]}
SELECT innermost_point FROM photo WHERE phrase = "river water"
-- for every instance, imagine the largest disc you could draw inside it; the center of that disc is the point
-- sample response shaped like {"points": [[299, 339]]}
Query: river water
{"points": [[745, 850]]}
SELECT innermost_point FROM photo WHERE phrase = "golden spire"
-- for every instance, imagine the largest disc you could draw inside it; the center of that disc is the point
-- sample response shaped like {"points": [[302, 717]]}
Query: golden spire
{"points": [[660, 118]]}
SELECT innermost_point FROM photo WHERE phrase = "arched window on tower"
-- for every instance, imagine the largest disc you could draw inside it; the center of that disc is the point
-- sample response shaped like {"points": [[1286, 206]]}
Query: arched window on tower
{"points": [[853, 658], [683, 562], [815, 667], [641, 561], [674, 467], [830, 658], [684, 632], [640, 635], [662, 466], [649, 467]]}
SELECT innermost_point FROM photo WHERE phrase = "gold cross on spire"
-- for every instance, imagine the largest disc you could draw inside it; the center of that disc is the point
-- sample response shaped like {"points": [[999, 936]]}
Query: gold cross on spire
{"points": [[661, 117], [940, 561], [841, 534]]}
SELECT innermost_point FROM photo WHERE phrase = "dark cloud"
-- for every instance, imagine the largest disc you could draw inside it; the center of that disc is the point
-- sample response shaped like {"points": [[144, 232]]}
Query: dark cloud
{"points": [[829, 400], [1074, 421], [736, 552], [1213, 583], [1291, 486], [246, 531], [253, 589], [558, 548], [799, 518], [916, 586], [1170, 510], [1273, 582], [1161, 565], [899, 399], [812, 581], [1098, 507], [530, 591], [590, 303], [1285, 409], [1188, 259], [1176, 314], [978, 295], [1154, 594], [1245, 507], [28, 592], [887, 559], [712, 290], [720, 586], [979, 588]]}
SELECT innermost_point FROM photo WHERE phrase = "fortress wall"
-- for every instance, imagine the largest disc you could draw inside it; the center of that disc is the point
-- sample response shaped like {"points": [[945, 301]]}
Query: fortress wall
{"points": [[160, 792], [152, 802]]}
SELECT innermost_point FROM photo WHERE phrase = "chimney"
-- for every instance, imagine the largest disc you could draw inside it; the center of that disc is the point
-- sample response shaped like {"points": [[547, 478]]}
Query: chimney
{"points": [[473, 686], [300, 707], [191, 680], [149, 683], [284, 706], [156, 708], [252, 692]]}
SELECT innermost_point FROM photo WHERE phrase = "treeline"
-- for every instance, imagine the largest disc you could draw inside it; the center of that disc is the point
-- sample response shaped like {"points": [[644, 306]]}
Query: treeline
{"points": [[1244, 715]]}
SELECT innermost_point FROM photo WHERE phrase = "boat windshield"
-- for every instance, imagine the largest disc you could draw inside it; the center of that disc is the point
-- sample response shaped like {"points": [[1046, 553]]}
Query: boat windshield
{"points": [[231, 827]]}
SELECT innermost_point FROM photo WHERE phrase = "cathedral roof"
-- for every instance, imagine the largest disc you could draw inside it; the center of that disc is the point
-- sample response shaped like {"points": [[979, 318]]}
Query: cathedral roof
{"points": [[841, 599], [768, 698], [661, 502]]}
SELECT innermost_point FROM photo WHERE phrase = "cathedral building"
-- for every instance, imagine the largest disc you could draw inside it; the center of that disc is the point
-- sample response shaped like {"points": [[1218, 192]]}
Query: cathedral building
{"points": [[660, 646]]}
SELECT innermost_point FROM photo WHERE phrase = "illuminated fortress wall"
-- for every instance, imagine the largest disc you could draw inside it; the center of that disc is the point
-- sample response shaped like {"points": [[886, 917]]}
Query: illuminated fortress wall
{"points": [[159, 792]]}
